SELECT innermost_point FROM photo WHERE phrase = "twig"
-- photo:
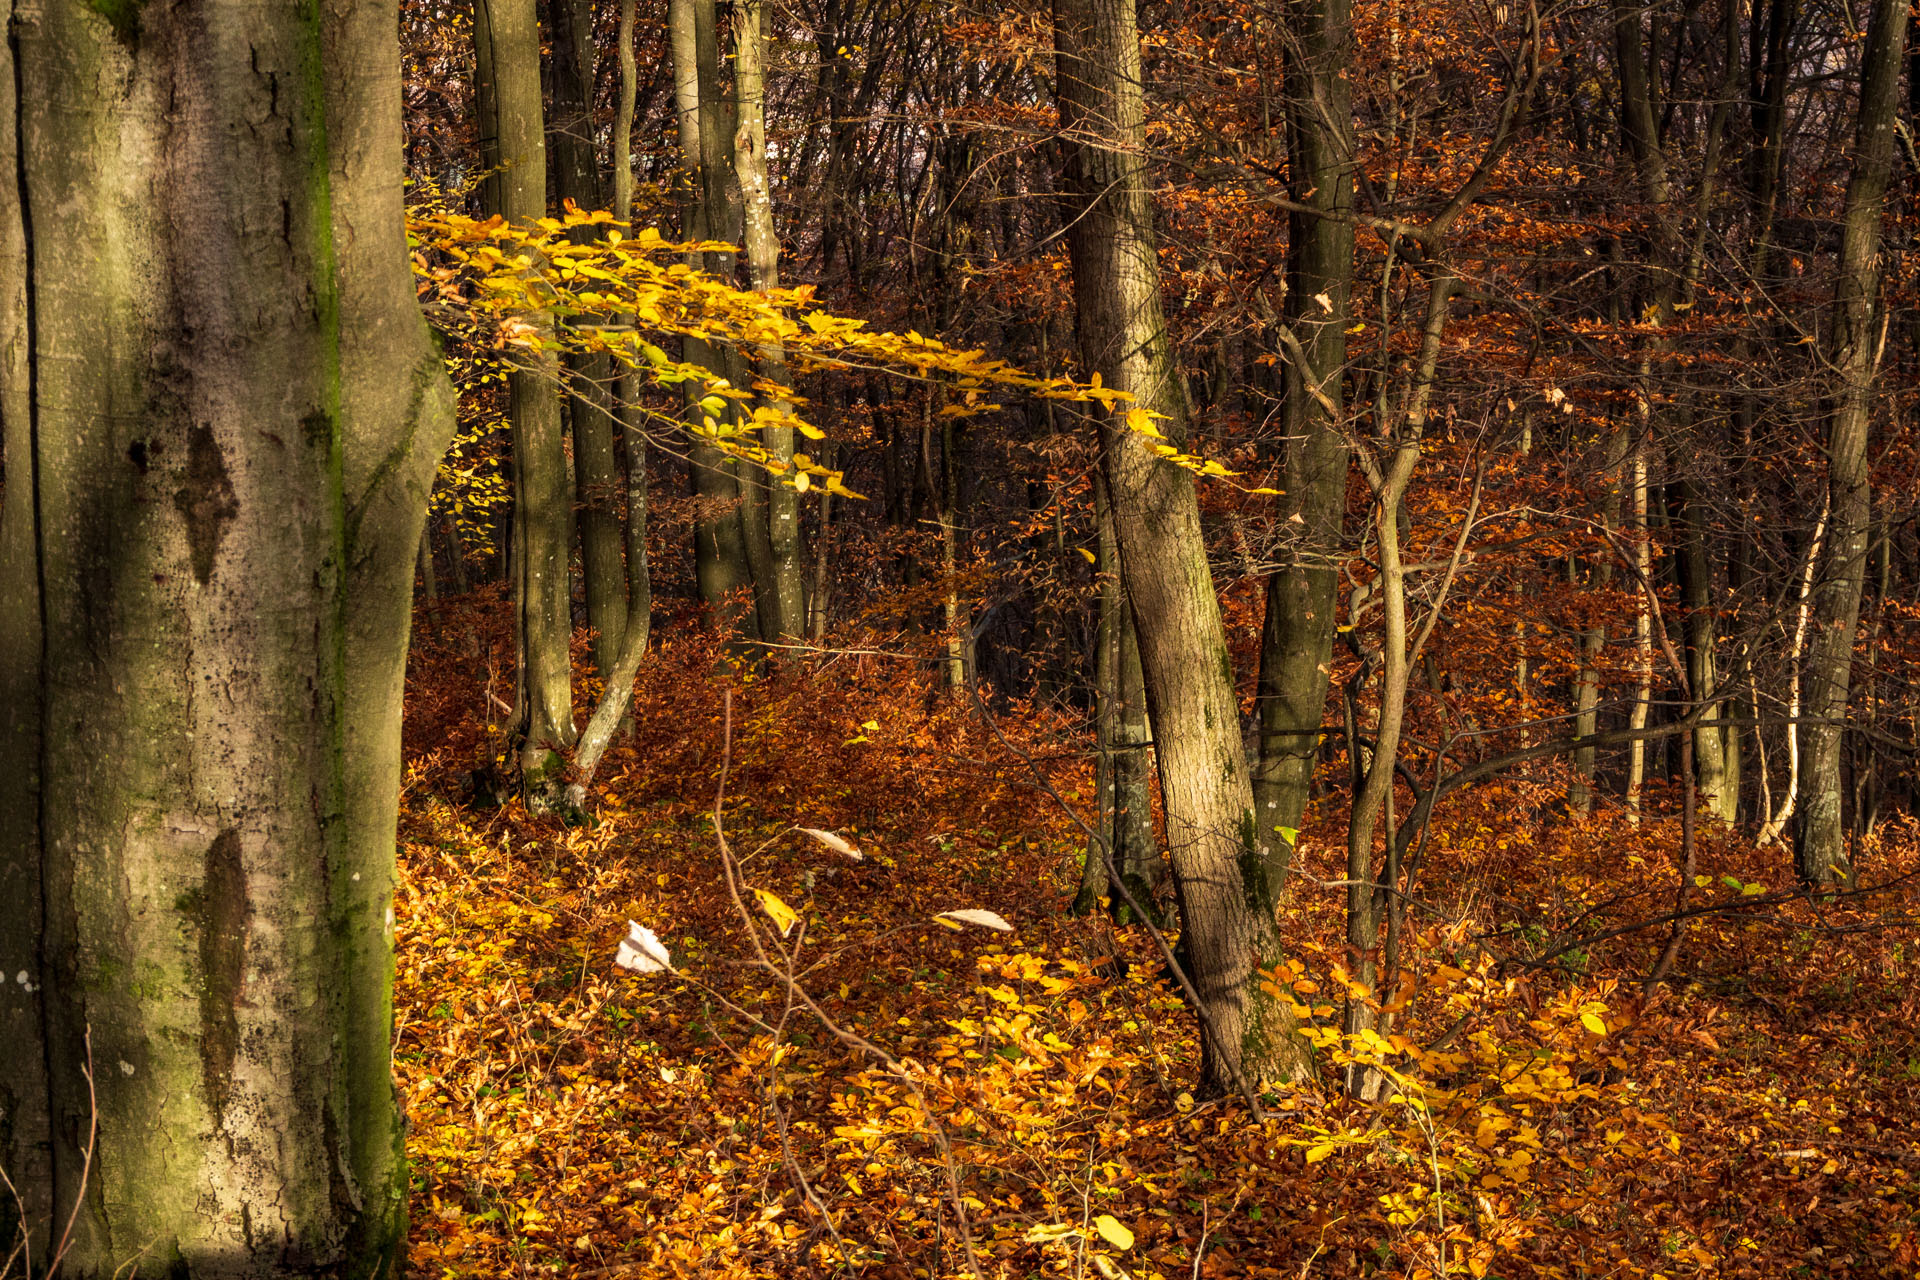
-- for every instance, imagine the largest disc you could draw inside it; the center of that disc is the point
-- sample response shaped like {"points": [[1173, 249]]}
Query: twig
{"points": [[86, 1159], [852, 1039]]}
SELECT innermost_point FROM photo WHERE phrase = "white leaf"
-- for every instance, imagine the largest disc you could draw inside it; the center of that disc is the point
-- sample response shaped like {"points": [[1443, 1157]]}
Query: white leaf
{"points": [[834, 843], [978, 918], [642, 952]]}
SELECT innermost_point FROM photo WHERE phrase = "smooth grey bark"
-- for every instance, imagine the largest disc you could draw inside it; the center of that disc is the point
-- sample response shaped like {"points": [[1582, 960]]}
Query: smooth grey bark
{"points": [[220, 431], [1820, 836], [1227, 901], [507, 49], [785, 591], [1296, 642], [708, 211]]}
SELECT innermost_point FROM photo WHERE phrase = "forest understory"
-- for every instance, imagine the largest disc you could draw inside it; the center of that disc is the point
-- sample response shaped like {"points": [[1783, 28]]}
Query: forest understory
{"points": [[1752, 1115]]}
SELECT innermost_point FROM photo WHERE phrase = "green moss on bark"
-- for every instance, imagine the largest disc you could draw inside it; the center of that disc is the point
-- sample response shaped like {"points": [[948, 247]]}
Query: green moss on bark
{"points": [[123, 16]]}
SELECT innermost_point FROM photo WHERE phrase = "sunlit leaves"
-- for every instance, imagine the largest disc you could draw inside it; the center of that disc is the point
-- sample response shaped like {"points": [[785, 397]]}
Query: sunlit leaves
{"points": [[783, 916], [1113, 1232]]}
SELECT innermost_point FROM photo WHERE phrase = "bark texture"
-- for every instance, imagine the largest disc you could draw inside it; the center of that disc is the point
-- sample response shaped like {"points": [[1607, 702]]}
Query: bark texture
{"points": [[1296, 643], [221, 414], [507, 48], [1226, 898], [1821, 836]]}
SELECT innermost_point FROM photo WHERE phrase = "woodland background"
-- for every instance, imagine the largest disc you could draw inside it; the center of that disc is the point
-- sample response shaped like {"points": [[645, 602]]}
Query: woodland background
{"points": [[1555, 369], [1257, 639]]}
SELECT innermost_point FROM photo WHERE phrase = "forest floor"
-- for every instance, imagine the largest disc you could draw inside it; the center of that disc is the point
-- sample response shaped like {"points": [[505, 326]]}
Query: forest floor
{"points": [[1757, 1116]]}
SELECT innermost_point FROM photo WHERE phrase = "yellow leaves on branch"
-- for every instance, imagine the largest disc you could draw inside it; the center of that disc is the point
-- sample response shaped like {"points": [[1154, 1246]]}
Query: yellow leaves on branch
{"points": [[529, 288]]}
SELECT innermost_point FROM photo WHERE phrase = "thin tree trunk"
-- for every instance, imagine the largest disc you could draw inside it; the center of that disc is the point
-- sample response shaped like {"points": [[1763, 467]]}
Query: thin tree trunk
{"points": [[781, 501], [1296, 643], [1226, 891], [1820, 837], [1796, 656], [632, 433], [589, 377], [721, 565], [1642, 550], [507, 48], [1720, 799], [1124, 768], [820, 598]]}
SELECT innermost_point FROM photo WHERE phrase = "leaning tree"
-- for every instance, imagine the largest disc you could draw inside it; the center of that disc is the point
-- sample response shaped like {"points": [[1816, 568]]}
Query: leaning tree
{"points": [[221, 416]]}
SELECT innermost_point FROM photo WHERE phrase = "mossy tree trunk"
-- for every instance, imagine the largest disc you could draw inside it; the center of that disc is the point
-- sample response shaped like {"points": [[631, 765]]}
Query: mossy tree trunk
{"points": [[1227, 900], [221, 415]]}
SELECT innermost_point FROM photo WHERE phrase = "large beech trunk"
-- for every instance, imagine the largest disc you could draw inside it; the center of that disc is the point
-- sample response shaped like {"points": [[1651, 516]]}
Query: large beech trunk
{"points": [[1226, 896], [221, 414]]}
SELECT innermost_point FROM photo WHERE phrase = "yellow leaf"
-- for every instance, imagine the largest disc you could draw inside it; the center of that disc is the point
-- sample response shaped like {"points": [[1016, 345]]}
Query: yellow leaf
{"points": [[1048, 1233], [1091, 558], [1112, 1232], [783, 916], [1593, 1023], [1316, 1154]]}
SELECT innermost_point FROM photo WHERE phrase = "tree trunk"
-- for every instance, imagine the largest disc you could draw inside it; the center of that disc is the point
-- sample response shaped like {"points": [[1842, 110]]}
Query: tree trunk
{"points": [[221, 415], [589, 378], [1820, 838], [1720, 799], [721, 565], [1227, 892], [627, 391], [1124, 768], [507, 52], [780, 501], [1296, 643]]}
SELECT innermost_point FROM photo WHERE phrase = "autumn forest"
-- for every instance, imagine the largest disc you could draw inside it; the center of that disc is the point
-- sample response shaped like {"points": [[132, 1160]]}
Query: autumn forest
{"points": [[951, 641]]}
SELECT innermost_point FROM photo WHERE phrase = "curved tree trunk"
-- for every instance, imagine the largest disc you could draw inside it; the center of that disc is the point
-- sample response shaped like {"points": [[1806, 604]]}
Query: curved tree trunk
{"points": [[1226, 893], [219, 434]]}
